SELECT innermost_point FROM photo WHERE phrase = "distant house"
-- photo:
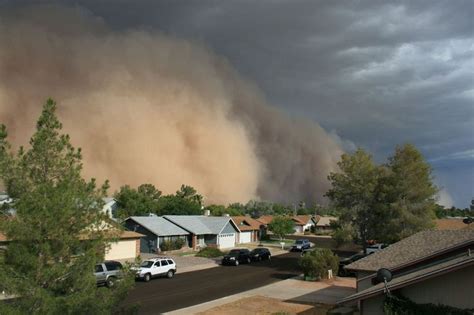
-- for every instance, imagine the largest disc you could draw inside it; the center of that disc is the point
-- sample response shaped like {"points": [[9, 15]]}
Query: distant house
{"points": [[265, 220], [303, 223], [127, 247], [428, 267], [250, 229], [323, 223], [219, 232], [156, 230], [110, 207]]}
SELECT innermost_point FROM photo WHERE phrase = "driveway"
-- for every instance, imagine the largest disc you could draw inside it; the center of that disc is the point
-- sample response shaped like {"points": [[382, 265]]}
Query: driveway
{"points": [[184, 290]]}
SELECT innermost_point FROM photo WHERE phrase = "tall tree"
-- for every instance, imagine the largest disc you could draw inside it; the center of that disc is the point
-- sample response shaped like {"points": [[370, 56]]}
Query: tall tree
{"points": [[354, 189], [408, 194], [281, 226], [137, 202], [189, 193], [55, 237]]}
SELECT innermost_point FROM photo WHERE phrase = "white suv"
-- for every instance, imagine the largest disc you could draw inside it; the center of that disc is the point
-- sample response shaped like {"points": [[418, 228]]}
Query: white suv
{"points": [[160, 266]]}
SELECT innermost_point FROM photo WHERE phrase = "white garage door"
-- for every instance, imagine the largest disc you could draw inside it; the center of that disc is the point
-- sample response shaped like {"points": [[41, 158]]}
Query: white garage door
{"points": [[122, 249], [245, 237], [227, 240]]}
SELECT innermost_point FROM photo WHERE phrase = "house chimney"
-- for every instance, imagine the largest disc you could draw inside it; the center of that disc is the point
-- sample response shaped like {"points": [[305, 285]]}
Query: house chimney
{"points": [[226, 215]]}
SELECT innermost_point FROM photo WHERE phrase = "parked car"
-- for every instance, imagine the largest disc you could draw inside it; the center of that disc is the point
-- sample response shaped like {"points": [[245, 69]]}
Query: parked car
{"points": [[155, 267], [375, 248], [300, 245], [260, 253], [346, 261], [237, 256], [108, 272]]}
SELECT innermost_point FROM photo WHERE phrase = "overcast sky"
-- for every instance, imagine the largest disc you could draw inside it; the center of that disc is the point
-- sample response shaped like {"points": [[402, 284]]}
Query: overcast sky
{"points": [[375, 73]]}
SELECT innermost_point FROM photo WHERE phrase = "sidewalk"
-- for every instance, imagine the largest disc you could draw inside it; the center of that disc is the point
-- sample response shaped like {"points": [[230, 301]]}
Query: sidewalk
{"points": [[293, 290]]}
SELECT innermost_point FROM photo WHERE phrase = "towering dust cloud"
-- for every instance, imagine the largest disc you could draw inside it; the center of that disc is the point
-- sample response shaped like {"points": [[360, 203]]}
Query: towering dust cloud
{"points": [[145, 107]]}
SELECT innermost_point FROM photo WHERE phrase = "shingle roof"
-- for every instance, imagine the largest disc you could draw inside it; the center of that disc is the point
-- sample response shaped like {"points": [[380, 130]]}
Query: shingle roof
{"points": [[199, 224], [418, 246], [302, 219], [246, 223], [324, 221], [450, 224], [414, 277], [159, 226], [265, 219]]}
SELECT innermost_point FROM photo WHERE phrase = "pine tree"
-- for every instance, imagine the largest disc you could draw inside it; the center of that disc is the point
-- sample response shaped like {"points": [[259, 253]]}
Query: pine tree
{"points": [[56, 236]]}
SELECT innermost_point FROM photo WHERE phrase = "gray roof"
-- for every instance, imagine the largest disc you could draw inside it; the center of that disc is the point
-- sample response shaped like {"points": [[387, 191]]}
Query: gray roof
{"points": [[416, 247], [159, 226], [417, 275], [199, 224]]}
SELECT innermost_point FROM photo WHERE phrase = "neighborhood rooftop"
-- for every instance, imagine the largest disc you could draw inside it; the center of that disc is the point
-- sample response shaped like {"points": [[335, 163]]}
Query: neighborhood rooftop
{"points": [[411, 249], [159, 226], [434, 270], [199, 224]]}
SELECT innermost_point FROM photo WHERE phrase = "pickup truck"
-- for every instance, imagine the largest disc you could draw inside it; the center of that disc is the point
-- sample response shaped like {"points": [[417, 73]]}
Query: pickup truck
{"points": [[108, 272]]}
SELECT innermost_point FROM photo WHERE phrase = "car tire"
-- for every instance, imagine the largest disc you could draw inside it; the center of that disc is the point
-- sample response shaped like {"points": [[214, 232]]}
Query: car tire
{"points": [[248, 260], [170, 274], [147, 277], [269, 257], [236, 262], [110, 282], [259, 258]]}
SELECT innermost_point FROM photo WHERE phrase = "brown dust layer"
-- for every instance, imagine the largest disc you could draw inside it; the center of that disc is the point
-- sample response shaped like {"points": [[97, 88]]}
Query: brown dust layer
{"points": [[149, 108]]}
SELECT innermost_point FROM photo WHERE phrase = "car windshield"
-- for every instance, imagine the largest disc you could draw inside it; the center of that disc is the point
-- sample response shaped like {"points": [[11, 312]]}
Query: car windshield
{"points": [[234, 252], [146, 264], [299, 242]]}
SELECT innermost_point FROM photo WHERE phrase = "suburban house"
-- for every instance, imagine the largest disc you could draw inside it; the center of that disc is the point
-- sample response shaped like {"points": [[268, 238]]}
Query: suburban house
{"points": [[156, 230], [323, 223], [428, 267], [110, 207], [220, 232], [303, 223], [127, 246], [265, 220], [250, 229]]}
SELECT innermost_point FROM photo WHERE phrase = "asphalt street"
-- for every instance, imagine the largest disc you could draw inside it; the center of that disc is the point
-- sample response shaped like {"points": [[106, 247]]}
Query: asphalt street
{"points": [[184, 290]]}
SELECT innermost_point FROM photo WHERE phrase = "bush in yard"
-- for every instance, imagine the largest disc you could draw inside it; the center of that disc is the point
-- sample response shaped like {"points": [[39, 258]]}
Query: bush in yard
{"points": [[315, 264], [209, 252], [343, 234], [172, 245]]}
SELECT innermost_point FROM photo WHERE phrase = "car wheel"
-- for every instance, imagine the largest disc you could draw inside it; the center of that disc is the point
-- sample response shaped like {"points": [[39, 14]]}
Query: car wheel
{"points": [[110, 282], [147, 277], [269, 257], [248, 260], [259, 258], [236, 262], [170, 274]]}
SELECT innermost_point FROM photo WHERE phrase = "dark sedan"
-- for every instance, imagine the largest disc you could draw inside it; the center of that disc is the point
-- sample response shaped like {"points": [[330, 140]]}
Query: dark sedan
{"points": [[236, 257], [344, 262], [261, 253]]}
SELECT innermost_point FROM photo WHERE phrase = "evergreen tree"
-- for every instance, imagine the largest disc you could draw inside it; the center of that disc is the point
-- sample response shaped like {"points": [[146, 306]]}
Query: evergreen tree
{"points": [[56, 236]]}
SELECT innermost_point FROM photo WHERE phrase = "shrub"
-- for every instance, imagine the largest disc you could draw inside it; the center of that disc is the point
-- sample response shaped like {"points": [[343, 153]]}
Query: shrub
{"points": [[343, 234], [172, 245], [209, 252], [315, 264]]}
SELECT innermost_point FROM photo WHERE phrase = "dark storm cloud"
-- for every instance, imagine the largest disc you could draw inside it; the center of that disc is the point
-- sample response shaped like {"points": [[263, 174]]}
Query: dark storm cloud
{"points": [[374, 73]]}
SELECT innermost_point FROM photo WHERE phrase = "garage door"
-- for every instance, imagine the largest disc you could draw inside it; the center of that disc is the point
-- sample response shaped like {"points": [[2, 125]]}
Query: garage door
{"points": [[245, 237], [227, 240], [121, 250]]}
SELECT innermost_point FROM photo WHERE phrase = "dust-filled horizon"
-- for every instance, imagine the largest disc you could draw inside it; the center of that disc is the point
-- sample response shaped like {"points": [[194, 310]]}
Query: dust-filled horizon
{"points": [[149, 108]]}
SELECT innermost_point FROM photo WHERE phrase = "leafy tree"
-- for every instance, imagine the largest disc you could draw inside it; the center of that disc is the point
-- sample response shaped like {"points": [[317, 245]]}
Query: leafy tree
{"points": [[137, 202], [408, 195], [220, 210], [173, 205], [55, 236], [354, 189], [281, 226], [189, 193], [343, 233], [316, 263]]}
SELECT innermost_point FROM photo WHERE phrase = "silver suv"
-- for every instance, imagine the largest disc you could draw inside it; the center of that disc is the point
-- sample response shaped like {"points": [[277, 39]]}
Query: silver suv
{"points": [[108, 272]]}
